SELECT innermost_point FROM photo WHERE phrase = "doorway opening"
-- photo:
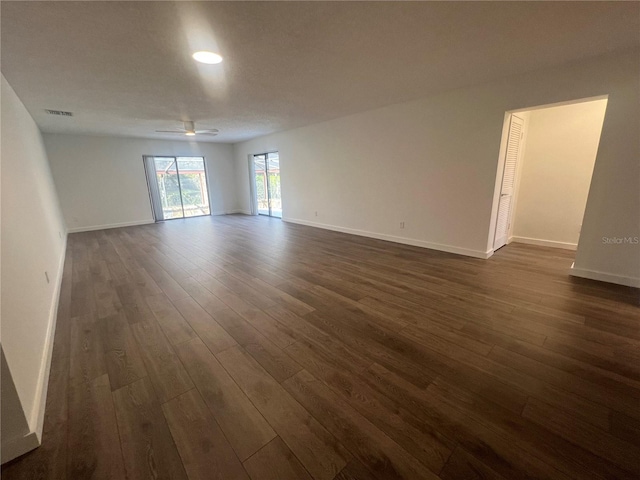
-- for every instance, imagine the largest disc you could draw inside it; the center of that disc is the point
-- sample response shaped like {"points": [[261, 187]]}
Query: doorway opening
{"points": [[266, 178], [544, 174], [178, 187]]}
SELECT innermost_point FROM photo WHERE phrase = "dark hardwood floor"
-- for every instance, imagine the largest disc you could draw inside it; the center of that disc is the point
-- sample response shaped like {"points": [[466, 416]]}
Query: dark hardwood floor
{"points": [[247, 348]]}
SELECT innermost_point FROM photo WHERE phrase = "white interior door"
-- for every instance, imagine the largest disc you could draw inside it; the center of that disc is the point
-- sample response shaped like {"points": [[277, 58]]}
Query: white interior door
{"points": [[514, 144]]}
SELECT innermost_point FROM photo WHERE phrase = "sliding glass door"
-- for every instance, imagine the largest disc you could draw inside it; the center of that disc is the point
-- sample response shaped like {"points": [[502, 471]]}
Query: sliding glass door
{"points": [[259, 162], [267, 184], [166, 174], [177, 187], [193, 186]]}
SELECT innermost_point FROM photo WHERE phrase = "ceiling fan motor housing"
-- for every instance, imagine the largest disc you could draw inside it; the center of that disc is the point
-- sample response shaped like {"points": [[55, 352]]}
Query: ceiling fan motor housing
{"points": [[189, 126]]}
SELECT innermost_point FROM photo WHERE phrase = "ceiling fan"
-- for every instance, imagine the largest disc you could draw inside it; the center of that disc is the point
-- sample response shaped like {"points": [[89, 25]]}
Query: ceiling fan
{"points": [[190, 130]]}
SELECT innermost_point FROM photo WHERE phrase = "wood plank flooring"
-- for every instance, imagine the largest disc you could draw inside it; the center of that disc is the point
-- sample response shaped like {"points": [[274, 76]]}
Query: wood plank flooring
{"points": [[247, 348]]}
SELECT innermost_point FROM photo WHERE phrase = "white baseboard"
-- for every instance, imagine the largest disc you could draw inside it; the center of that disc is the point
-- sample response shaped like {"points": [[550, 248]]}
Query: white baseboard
{"points": [[37, 417], [392, 238], [231, 212], [45, 368], [545, 243], [604, 277], [111, 225], [18, 446]]}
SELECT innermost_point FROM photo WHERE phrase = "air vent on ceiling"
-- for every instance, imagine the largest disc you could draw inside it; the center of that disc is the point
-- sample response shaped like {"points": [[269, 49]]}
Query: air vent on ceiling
{"points": [[60, 113]]}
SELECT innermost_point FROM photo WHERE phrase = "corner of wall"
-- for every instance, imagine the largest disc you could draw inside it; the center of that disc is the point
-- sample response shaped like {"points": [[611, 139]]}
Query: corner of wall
{"points": [[604, 277], [14, 446], [38, 245]]}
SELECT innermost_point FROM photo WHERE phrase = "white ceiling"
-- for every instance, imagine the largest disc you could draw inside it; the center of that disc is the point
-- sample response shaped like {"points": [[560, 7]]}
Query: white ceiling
{"points": [[124, 68]]}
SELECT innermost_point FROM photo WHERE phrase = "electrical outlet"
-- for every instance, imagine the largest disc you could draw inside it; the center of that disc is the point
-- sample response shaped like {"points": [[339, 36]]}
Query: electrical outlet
{"points": [[401, 224], [46, 275]]}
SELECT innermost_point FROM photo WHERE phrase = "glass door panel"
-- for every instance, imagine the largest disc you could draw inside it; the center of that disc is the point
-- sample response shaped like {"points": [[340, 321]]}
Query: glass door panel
{"points": [[169, 187], [193, 186], [275, 195], [267, 183], [262, 192], [181, 183]]}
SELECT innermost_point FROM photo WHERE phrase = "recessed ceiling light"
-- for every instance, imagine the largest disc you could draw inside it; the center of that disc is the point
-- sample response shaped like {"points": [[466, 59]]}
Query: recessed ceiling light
{"points": [[207, 57], [190, 134]]}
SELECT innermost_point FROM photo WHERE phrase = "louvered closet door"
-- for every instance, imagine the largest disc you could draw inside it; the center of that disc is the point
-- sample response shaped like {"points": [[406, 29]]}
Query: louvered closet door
{"points": [[514, 142]]}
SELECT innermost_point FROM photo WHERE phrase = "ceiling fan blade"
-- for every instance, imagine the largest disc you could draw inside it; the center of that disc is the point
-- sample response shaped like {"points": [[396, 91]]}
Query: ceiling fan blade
{"points": [[211, 130], [171, 131], [213, 134]]}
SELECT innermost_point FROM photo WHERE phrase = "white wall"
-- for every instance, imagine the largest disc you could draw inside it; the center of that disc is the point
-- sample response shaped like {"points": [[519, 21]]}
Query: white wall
{"points": [[432, 163], [33, 241], [555, 173], [101, 180]]}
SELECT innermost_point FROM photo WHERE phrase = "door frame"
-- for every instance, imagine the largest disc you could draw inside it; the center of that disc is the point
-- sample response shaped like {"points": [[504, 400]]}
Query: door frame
{"points": [[252, 181], [516, 179], [502, 157]]}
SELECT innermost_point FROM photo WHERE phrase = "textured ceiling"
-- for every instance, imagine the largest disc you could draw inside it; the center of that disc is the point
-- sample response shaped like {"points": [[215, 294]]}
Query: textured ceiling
{"points": [[124, 68]]}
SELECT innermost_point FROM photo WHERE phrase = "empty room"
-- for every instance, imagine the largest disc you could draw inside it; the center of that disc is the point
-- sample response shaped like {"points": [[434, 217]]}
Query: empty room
{"points": [[320, 240]]}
